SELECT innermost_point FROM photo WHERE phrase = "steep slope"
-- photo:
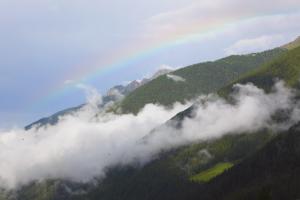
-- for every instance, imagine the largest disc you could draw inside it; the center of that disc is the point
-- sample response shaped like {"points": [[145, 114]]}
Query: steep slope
{"points": [[260, 171], [199, 79], [168, 177], [271, 173], [113, 95], [286, 67], [171, 176], [53, 119], [293, 44]]}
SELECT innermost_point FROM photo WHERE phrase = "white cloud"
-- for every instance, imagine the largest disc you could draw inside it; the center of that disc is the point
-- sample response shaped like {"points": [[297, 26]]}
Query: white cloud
{"points": [[69, 82], [198, 17], [83, 145], [93, 98], [168, 67], [116, 94], [258, 44], [53, 38], [175, 78]]}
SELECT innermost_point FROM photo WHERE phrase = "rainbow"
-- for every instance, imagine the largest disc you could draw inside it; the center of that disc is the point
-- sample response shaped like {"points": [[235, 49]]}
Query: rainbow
{"points": [[135, 52]]}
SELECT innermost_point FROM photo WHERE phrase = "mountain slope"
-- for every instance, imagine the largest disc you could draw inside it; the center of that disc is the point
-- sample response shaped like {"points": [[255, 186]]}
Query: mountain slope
{"points": [[167, 177], [258, 171], [293, 44], [53, 119], [271, 173], [286, 67], [114, 94], [199, 79]]}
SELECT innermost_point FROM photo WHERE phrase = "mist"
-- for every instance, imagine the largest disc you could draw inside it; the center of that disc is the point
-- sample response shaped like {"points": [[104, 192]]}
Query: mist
{"points": [[84, 144], [175, 78]]}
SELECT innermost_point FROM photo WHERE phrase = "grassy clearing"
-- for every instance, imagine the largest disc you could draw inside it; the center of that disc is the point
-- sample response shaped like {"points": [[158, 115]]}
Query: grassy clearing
{"points": [[211, 173]]}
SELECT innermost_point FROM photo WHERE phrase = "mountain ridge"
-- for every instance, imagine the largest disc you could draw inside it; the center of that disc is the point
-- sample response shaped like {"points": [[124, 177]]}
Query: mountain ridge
{"points": [[168, 176], [114, 94], [293, 44], [202, 78]]}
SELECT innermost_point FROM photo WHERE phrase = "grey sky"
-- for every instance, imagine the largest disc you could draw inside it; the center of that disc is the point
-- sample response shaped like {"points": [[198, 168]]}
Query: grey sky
{"points": [[45, 42]]}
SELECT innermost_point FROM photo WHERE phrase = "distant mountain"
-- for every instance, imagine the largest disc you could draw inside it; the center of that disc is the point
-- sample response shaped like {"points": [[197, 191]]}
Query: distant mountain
{"points": [[131, 86], [53, 119], [196, 79], [114, 94]]}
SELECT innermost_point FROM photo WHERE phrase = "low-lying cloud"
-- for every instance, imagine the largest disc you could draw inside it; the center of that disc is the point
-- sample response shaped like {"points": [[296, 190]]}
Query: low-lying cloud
{"points": [[83, 145], [175, 78]]}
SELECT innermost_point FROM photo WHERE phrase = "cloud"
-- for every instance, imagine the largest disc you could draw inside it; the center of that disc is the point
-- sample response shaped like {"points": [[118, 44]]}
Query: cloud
{"points": [[69, 82], [91, 93], [115, 93], [79, 147], [83, 145], [175, 78], [258, 44], [58, 40], [168, 67], [93, 98], [198, 17]]}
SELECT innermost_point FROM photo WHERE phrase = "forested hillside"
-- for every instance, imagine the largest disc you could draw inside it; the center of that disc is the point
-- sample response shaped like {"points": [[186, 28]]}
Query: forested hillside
{"points": [[202, 78]]}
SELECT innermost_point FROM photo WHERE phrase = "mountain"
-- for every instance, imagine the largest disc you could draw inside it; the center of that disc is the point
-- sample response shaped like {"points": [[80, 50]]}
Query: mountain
{"points": [[53, 119], [159, 88], [114, 94], [160, 73], [133, 85], [286, 67], [257, 170], [196, 79], [293, 44], [268, 163], [168, 177], [271, 173], [124, 90], [261, 165]]}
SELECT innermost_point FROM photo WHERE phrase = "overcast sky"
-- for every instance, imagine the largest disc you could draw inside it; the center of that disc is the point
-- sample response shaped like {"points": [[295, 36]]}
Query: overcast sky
{"points": [[43, 43]]}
